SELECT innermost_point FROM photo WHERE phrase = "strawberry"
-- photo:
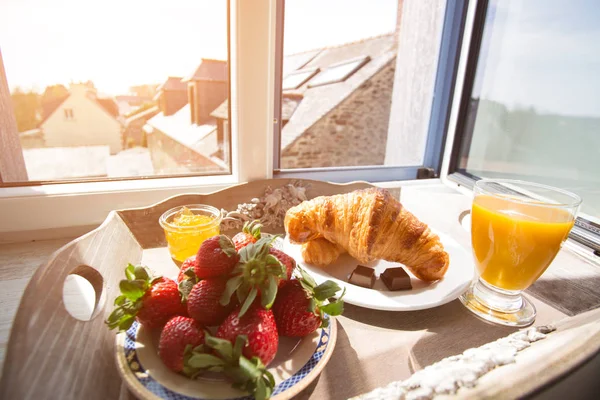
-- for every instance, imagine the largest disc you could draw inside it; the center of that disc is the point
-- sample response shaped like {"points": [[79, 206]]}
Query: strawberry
{"points": [[190, 262], [178, 337], [203, 302], [250, 375], [216, 257], [152, 300], [288, 262], [258, 272], [250, 234], [258, 325], [300, 305]]}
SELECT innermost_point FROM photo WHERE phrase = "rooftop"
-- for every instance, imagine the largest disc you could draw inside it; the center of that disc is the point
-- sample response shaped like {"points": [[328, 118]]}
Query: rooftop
{"points": [[210, 70]]}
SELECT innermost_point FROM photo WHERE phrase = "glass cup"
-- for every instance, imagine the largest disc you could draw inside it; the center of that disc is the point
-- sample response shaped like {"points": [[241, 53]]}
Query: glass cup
{"points": [[186, 227], [517, 228]]}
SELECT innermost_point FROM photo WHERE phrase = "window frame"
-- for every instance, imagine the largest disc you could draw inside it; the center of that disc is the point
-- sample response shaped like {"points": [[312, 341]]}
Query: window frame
{"points": [[63, 205], [453, 19], [583, 232]]}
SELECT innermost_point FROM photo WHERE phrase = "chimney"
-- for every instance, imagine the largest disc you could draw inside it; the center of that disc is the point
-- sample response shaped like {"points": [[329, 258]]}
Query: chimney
{"points": [[172, 96], [207, 89]]}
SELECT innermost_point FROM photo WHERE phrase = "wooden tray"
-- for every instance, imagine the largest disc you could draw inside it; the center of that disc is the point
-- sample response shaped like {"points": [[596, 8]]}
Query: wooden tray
{"points": [[50, 354]]}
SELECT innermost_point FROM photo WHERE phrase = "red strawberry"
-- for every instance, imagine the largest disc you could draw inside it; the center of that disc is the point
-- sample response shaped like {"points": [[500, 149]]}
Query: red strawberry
{"points": [[250, 375], [153, 301], [190, 262], [203, 302], [176, 336], [288, 262], [258, 325], [300, 306], [216, 257], [257, 273], [250, 234]]}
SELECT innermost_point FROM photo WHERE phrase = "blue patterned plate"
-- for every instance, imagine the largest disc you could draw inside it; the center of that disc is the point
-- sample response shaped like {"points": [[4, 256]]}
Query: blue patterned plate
{"points": [[297, 364]]}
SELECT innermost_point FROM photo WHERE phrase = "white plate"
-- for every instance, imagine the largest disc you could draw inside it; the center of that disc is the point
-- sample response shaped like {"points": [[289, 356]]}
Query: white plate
{"points": [[423, 294]]}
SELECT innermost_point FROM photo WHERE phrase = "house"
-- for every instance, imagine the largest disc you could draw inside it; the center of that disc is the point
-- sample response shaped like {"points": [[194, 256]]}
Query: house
{"points": [[82, 118], [335, 104], [183, 136], [133, 132]]}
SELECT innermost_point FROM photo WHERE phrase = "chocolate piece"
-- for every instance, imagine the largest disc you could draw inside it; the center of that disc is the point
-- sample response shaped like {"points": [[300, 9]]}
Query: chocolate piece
{"points": [[396, 279], [363, 276]]}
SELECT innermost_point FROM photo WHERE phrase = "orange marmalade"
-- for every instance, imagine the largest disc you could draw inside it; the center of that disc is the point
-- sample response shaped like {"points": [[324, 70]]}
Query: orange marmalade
{"points": [[187, 227]]}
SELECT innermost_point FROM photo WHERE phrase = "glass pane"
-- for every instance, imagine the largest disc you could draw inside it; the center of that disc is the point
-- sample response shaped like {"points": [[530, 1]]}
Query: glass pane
{"points": [[140, 89], [535, 110], [344, 115], [293, 81], [337, 73]]}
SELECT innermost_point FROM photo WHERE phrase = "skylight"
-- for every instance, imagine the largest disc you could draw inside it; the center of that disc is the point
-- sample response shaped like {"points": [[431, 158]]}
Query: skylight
{"points": [[339, 72], [296, 79]]}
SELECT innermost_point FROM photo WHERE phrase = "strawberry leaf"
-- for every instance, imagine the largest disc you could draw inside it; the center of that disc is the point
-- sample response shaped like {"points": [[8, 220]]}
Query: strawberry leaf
{"points": [[269, 292], [326, 290], [221, 346], [230, 287], [190, 275], [205, 361], [248, 302], [130, 272], [249, 368], [306, 277], [227, 246], [141, 273], [240, 342], [120, 300], [185, 287], [133, 290], [335, 308], [126, 322]]}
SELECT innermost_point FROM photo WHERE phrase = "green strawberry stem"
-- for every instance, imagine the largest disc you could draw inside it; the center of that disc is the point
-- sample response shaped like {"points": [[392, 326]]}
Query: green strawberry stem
{"points": [[257, 271], [138, 281], [186, 285], [320, 297], [253, 228], [248, 375]]}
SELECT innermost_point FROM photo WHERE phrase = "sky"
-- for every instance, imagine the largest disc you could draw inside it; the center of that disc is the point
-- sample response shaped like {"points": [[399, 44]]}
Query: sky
{"points": [[121, 43], [543, 54]]}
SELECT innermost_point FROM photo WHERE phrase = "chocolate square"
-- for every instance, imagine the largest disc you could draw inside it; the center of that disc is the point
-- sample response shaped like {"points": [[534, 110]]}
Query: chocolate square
{"points": [[396, 279], [363, 276]]}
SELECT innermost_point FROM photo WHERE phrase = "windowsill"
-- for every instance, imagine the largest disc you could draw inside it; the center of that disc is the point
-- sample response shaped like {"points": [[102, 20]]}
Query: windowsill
{"points": [[192, 182]]}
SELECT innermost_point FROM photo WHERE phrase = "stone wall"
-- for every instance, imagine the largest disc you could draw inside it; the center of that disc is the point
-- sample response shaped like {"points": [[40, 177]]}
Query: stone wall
{"points": [[171, 157], [353, 133]]}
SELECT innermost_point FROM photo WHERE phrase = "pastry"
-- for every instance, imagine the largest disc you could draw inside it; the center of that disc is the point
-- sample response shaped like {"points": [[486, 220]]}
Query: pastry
{"points": [[370, 224], [321, 252]]}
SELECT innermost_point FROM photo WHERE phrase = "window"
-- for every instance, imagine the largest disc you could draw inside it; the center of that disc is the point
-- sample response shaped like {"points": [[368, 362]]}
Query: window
{"points": [[298, 78], [532, 111], [144, 93], [366, 113], [338, 72]]}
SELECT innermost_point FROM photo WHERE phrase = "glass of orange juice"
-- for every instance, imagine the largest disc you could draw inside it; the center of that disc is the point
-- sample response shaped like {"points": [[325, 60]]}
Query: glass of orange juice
{"points": [[517, 228], [186, 227]]}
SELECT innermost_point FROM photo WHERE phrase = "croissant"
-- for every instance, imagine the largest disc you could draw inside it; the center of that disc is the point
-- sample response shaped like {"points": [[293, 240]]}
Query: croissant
{"points": [[370, 224], [321, 252]]}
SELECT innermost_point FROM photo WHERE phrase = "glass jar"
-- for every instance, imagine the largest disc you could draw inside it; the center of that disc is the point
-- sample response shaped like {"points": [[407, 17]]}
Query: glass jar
{"points": [[186, 227]]}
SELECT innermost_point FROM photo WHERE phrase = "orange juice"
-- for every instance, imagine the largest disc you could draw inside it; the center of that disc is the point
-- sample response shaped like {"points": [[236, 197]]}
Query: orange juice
{"points": [[514, 242]]}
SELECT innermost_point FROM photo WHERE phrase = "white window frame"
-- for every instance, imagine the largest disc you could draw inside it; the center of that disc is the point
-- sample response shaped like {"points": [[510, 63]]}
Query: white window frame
{"points": [[252, 59]]}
